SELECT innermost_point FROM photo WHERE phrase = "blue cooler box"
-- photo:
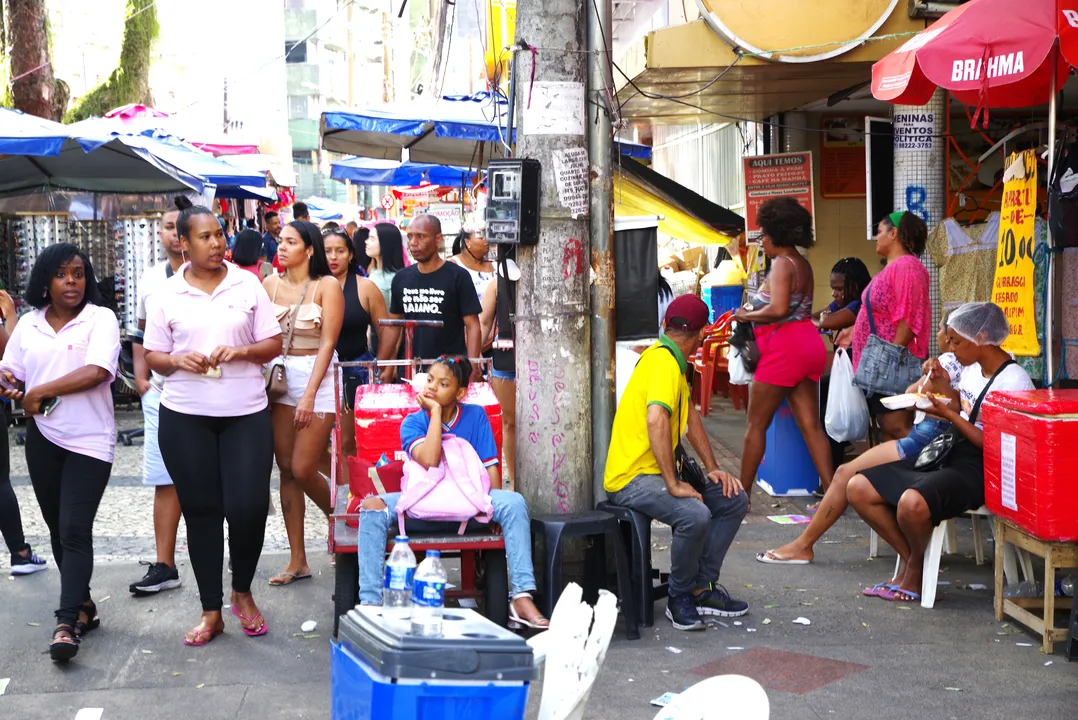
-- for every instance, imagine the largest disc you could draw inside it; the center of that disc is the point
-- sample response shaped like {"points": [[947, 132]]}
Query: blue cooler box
{"points": [[725, 298], [475, 670], [787, 468]]}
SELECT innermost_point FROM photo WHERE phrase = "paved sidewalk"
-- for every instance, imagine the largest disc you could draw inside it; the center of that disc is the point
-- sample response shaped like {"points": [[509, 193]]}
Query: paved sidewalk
{"points": [[859, 658]]}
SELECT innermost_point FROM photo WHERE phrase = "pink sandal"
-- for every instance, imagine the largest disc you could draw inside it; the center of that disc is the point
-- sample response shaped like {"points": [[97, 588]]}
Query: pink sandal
{"points": [[258, 622], [203, 637]]}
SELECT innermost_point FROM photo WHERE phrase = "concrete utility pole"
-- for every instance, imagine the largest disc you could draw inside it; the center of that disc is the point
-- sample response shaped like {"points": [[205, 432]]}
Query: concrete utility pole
{"points": [[600, 141], [553, 321]]}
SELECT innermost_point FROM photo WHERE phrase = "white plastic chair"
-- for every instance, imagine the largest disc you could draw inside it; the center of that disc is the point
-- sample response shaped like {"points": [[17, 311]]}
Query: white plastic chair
{"points": [[739, 698], [944, 540]]}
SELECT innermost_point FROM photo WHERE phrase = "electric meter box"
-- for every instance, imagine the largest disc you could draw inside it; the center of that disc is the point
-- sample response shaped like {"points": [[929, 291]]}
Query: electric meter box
{"points": [[512, 215]]}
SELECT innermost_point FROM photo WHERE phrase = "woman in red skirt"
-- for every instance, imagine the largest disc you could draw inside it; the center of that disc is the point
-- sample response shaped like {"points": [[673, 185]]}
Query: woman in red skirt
{"points": [[792, 355]]}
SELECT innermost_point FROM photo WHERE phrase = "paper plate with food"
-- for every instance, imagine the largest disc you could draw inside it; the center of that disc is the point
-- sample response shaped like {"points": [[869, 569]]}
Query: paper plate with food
{"points": [[909, 400]]}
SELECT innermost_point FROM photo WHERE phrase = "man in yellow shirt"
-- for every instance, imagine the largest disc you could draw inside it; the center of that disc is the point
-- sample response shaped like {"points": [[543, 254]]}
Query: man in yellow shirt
{"points": [[654, 413]]}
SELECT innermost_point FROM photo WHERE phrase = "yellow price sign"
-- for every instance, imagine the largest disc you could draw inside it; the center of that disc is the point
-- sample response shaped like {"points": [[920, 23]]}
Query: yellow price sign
{"points": [[1013, 288]]}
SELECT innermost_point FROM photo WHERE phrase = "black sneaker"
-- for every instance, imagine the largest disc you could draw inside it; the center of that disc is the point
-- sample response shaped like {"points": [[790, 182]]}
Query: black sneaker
{"points": [[27, 565], [159, 577], [716, 601], [683, 613]]}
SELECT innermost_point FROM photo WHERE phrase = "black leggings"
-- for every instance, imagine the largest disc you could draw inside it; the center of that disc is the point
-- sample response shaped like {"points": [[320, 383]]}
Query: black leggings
{"points": [[68, 487], [10, 518], [221, 469]]}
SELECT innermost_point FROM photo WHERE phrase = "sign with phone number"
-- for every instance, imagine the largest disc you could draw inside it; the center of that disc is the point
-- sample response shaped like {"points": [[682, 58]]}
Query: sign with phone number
{"points": [[1013, 288]]}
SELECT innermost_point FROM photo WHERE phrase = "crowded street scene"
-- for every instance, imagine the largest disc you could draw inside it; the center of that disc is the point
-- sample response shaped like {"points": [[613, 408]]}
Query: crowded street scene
{"points": [[545, 360]]}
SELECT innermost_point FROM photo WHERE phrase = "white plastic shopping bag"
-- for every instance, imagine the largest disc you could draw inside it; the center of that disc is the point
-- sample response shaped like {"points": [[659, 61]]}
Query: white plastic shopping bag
{"points": [[846, 419], [738, 374]]}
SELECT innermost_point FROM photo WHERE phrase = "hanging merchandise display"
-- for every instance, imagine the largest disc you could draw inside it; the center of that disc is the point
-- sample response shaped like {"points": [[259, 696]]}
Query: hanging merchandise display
{"points": [[1013, 289], [966, 258], [141, 251]]}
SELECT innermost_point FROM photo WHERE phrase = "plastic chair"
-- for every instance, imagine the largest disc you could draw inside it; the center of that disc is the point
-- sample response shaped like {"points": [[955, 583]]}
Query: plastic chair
{"points": [[599, 526], [636, 529], [944, 540], [704, 365]]}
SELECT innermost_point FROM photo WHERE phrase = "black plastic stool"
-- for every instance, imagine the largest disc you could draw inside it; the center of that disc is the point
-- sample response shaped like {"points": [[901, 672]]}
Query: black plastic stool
{"points": [[636, 526], [592, 524]]}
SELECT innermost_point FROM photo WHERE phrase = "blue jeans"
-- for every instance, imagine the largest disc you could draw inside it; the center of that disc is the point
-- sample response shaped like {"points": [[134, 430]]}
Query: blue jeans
{"points": [[922, 433], [703, 531], [375, 526]]}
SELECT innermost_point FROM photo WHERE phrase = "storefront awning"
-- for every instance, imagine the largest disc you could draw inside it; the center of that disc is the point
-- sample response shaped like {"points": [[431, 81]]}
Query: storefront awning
{"points": [[631, 199]]}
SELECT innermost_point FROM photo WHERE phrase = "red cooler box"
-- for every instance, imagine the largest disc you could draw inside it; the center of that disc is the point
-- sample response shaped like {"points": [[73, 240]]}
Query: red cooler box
{"points": [[380, 410], [1030, 457]]}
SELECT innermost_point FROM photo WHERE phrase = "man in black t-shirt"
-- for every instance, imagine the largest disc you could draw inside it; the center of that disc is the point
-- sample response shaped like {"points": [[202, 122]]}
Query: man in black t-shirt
{"points": [[433, 289]]}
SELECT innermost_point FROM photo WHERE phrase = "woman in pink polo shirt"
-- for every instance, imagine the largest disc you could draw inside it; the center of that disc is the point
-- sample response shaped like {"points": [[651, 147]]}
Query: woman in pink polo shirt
{"points": [[65, 352], [209, 329]]}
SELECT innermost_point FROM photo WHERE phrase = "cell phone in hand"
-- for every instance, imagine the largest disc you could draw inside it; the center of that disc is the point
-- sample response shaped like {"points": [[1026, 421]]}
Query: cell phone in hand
{"points": [[5, 384], [48, 405]]}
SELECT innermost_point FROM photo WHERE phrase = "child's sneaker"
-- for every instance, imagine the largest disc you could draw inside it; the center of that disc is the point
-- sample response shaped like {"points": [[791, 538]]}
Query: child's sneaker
{"points": [[28, 564]]}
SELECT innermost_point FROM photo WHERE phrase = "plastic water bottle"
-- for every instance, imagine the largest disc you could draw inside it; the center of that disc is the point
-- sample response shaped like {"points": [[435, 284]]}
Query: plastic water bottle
{"points": [[428, 596], [397, 590]]}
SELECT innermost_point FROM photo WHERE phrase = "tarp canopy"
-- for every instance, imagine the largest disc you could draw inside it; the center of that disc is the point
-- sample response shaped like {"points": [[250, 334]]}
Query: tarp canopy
{"points": [[39, 154], [461, 131], [173, 151], [684, 215], [140, 118], [325, 209], [368, 171]]}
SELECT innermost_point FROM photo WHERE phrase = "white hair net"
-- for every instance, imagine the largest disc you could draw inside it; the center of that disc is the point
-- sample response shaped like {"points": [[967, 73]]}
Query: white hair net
{"points": [[982, 323]]}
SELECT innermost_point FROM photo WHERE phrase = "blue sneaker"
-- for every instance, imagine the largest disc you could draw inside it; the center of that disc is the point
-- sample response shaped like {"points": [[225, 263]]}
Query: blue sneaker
{"points": [[716, 601], [682, 612]]}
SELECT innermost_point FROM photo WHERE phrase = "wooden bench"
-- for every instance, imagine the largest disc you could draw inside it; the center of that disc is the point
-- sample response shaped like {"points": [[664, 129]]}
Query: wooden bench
{"points": [[1056, 555]]}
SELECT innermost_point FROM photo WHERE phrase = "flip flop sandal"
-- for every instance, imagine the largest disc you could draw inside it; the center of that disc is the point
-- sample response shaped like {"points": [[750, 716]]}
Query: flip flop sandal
{"points": [[63, 647], [892, 595], [878, 589], [518, 621], [287, 578], [770, 559], [258, 630], [204, 636]]}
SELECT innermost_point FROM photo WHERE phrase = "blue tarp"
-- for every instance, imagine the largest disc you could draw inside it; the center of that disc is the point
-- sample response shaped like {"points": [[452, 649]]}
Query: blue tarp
{"points": [[368, 171], [445, 132], [173, 151], [37, 154]]}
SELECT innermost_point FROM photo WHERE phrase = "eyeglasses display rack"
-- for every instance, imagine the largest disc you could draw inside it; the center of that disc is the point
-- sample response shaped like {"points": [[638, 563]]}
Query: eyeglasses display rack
{"points": [[138, 235]]}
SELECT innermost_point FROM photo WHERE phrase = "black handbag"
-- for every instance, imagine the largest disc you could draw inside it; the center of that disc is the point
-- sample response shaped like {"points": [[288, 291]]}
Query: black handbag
{"points": [[935, 454], [743, 339]]}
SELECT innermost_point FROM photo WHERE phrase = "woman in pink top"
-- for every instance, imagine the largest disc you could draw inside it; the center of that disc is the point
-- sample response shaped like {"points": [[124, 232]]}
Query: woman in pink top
{"points": [[900, 306], [209, 330], [65, 353]]}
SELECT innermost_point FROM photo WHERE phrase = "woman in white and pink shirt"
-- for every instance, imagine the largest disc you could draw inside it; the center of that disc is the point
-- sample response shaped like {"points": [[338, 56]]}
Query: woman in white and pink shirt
{"points": [[64, 353], [209, 329]]}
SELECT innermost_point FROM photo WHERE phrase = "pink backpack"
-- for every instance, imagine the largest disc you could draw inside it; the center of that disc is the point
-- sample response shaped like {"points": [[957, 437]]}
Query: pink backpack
{"points": [[457, 490]]}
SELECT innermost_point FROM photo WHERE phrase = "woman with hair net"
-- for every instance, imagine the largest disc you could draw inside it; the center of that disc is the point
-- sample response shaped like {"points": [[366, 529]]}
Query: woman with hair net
{"points": [[902, 502]]}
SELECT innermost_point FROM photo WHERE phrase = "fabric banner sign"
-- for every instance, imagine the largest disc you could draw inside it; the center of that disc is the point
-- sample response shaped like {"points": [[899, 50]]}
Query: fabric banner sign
{"points": [[1013, 289]]}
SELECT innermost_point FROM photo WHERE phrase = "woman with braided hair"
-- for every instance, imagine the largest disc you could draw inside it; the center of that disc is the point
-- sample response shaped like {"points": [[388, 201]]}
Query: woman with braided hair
{"points": [[849, 278]]}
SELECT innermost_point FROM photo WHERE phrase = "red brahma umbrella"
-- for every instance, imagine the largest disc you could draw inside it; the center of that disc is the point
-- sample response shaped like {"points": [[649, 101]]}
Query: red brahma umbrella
{"points": [[991, 54]]}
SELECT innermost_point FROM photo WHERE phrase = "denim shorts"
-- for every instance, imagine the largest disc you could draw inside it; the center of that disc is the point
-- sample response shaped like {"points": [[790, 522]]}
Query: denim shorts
{"points": [[923, 433], [504, 374]]}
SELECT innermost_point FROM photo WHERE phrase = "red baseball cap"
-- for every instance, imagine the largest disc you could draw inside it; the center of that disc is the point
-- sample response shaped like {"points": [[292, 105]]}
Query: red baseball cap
{"points": [[687, 312]]}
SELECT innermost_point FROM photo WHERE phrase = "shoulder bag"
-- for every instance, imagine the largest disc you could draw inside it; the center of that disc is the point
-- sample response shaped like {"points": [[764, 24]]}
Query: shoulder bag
{"points": [[935, 454], [884, 368], [275, 373], [685, 465]]}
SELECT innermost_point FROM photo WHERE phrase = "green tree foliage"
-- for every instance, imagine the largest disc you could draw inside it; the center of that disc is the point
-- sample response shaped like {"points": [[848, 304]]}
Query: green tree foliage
{"points": [[130, 81]]}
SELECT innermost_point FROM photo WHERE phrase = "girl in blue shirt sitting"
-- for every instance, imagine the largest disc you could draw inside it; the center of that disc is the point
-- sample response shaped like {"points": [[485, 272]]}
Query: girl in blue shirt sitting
{"points": [[442, 410]]}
